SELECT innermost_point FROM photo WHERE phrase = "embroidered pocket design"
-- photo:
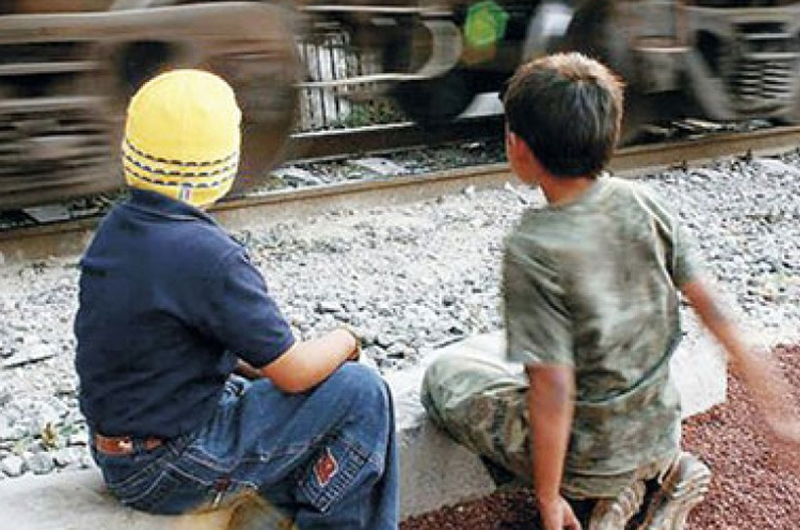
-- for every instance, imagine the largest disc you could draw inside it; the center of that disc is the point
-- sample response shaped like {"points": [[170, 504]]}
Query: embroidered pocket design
{"points": [[325, 468]]}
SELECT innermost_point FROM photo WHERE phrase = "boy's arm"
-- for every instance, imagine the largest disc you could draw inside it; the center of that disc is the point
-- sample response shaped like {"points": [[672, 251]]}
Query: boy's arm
{"points": [[768, 385], [309, 362], [550, 410]]}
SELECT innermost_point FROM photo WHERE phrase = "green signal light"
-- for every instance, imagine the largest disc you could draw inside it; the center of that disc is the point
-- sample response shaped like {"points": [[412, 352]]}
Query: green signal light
{"points": [[485, 24]]}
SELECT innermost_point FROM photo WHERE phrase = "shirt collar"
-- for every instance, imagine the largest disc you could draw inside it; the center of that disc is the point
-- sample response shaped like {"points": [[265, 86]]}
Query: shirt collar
{"points": [[157, 204]]}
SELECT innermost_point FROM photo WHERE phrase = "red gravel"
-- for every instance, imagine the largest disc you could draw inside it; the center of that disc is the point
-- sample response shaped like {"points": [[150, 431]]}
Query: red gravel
{"points": [[753, 485]]}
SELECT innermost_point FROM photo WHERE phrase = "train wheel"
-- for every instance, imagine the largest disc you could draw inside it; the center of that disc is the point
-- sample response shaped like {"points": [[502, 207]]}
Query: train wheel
{"points": [[448, 90], [599, 30], [639, 111], [438, 100]]}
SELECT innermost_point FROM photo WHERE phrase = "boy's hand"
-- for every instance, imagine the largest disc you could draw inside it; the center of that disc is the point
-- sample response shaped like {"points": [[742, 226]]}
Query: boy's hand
{"points": [[557, 515], [357, 337], [764, 379]]}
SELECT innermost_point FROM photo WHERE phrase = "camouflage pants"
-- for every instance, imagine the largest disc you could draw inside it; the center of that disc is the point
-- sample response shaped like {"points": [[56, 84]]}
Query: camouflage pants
{"points": [[481, 402]]}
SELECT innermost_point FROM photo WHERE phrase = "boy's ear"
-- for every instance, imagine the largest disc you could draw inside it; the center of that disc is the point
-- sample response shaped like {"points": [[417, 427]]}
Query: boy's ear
{"points": [[521, 159], [517, 149]]}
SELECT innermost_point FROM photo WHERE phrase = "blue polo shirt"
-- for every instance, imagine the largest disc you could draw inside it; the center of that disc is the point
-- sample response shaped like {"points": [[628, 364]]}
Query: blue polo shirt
{"points": [[168, 301]]}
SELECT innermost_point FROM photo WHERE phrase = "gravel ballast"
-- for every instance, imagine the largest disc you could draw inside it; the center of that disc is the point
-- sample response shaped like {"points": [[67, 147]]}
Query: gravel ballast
{"points": [[414, 277]]}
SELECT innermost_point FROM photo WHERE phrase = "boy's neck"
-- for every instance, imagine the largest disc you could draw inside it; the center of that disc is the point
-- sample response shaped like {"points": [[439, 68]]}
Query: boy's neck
{"points": [[560, 191]]}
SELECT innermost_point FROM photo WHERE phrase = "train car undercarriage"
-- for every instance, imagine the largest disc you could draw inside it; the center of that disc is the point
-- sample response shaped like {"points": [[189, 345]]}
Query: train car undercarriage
{"points": [[68, 68]]}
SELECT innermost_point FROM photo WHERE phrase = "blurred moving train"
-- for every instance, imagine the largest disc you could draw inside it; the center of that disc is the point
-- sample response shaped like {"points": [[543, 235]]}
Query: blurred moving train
{"points": [[67, 68]]}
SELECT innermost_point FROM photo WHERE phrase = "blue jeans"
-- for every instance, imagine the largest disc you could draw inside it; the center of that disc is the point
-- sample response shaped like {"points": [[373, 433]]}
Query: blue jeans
{"points": [[326, 458]]}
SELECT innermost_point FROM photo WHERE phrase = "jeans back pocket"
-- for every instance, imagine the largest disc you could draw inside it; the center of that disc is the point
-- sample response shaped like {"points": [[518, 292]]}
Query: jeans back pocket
{"points": [[336, 468]]}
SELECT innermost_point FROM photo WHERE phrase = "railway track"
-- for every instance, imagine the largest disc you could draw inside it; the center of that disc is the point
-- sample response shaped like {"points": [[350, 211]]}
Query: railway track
{"points": [[380, 138], [70, 237]]}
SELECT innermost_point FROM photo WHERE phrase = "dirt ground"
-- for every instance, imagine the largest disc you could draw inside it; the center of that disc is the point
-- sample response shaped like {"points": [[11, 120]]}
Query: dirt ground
{"points": [[755, 485]]}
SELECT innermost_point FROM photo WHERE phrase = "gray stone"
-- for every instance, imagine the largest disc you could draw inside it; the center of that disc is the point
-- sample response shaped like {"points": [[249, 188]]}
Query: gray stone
{"points": [[295, 177], [32, 354], [19, 325], [78, 438], [51, 412], [381, 166], [772, 166], [48, 213], [385, 340], [13, 466], [66, 456], [11, 429], [399, 350], [40, 463], [85, 457], [329, 306]]}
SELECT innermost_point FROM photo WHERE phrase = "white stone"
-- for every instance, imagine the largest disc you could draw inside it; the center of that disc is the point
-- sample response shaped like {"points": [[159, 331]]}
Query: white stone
{"points": [[381, 166], [295, 176], [40, 463], [38, 351], [66, 456], [78, 438], [13, 466], [772, 166], [11, 429]]}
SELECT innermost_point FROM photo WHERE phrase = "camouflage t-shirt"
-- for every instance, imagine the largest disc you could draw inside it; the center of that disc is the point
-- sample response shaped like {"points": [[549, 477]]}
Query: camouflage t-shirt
{"points": [[592, 285]]}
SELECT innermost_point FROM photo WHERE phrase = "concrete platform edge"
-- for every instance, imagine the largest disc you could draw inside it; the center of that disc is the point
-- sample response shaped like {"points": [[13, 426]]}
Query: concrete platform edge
{"points": [[434, 470]]}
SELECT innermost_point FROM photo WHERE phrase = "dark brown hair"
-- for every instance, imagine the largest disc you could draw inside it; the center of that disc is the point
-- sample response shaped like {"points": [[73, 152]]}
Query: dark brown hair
{"points": [[567, 108]]}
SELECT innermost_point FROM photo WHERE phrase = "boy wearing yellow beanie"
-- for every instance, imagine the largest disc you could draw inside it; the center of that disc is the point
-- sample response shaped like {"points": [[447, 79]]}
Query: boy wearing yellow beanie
{"points": [[170, 306]]}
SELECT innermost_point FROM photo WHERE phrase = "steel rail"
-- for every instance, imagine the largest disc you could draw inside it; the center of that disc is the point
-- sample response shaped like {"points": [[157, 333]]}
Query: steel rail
{"points": [[70, 238], [392, 137]]}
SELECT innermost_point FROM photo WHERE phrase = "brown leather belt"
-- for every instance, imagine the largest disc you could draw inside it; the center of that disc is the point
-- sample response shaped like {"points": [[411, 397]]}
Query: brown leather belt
{"points": [[124, 445]]}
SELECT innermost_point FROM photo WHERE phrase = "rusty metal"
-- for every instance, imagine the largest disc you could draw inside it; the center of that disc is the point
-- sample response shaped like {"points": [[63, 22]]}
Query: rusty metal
{"points": [[71, 238], [765, 142]]}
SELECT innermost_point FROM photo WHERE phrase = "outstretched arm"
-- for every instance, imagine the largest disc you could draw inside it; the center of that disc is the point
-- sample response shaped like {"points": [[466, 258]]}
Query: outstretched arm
{"points": [[764, 380], [550, 409]]}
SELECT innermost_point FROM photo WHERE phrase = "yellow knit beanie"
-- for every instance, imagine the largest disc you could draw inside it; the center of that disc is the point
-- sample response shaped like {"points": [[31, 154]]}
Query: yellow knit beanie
{"points": [[182, 137]]}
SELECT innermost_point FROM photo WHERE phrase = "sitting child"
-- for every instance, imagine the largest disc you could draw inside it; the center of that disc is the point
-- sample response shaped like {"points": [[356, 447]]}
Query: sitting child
{"points": [[170, 306], [591, 286]]}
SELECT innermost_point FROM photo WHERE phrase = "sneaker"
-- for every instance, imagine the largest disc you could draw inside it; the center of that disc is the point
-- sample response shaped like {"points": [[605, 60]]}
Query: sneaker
{"points": [[614, 514], [684, 486]]}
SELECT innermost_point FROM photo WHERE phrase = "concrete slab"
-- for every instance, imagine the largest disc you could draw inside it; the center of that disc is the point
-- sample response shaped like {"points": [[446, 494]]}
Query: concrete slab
{"points": [[77, 500], [434, 470]]}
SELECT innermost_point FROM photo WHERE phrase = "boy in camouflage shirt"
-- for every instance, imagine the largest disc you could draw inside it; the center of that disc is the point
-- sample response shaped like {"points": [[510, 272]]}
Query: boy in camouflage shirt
{"points": [[591, 298]]}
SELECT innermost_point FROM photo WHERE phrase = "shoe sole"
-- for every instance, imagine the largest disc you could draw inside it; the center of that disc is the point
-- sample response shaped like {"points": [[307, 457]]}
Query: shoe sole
{"points": [[615, 514], [684, 488]]}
